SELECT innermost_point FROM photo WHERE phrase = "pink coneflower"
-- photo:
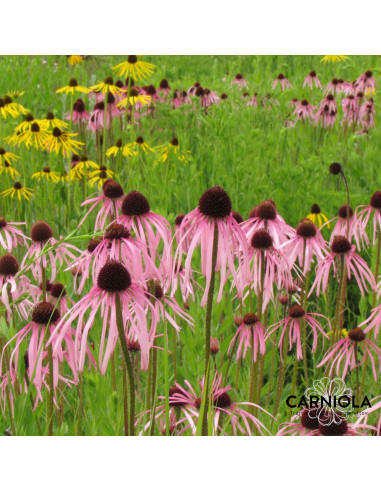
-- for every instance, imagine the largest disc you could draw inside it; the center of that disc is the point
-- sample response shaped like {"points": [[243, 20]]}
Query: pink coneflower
{"points": [[252, 101], [180, 98], [240, 419], [81, 267], [113, 280], [350, 88], [350, 109], [266, 260], [250, 333], [327, 111], [149, 90], [111, 200], [112, 109], [44, 317], [294, 102], [374, 321], [239, 80], [11, 236], [366, 83], [284, 83], [346, 225], [366, 114], [376, 406], [311, 79], [46, 251], [341, 249], [80, 115], [209, 98], [292, 325], [304, 110], [306, 244], [149, 228], [315, 421], [265, 216], [117, 244], [343, 354], [363, 214], [334, 87], [58, 297], [164, 87], [212, 220], [13, 288], [97, 118]]}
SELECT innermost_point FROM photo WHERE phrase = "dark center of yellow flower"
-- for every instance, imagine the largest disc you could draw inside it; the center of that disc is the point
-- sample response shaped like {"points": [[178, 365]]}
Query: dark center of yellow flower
{"points": [[73, 82], [109, 80], [132, 59], [46, 170], [56, 132], [315, 209], [35, 128], [17, 185], [175, 142], [50, 116]]}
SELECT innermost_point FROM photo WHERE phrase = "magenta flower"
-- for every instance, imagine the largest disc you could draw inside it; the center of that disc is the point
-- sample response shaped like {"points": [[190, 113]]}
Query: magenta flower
{"points": [[334, 87], [346, 220], [164, 87], [180, 98], [366, 83], [304, 110], [342, 355], [11, 236], [79, 114], [265, 216], [292, 325], [364, 213], [253, 101], [81, 267], [149, 228], [12, 287], [262, 254], [374, 321], [250, 333], [57, 253], [58, 297], [307, 244], [113, 280], [239, 80], [97, 117], [327, 111], [111, 200], [366, 114], [283, 82], [350, 109], [213, 217], [44, 317], [341, 249], [307, 426], [376, 406], [311, 79]]}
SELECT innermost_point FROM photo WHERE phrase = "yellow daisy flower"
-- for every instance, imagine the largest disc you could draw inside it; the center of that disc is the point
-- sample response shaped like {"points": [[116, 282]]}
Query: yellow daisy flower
{"points": [[8, 168], [61, 141], [82, 166], [7, 156], [100, 175], [134, 67], [74, 59], [35, 136], [134, 147], [47, 174], [19, 190], [343, 333], [51, 121], [11, 108], [107, 86], [172, 148], [333, 58], [73, 87], [133, 98], [15, 94], [115, 149], [28, 122], [317, 217]]}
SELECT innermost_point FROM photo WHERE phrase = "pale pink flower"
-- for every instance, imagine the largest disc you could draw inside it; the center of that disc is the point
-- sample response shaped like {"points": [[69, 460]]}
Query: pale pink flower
{"points": [[291, 327], [283, 82], [364, 213], [250, 334], [306, 244], [239, 80], [214, 216], [164, 87], [180, 98], [304, 110], [342, 250], [375, 407], [327, 111], [253, 101], [334, 87], [113, 280], [149, 227], [346, 225], [350, 109], [111, 200], [366, 83], [79, 114], [265, 216], [366, 114], [11, 236], [342, 356], [47, 252], [311, 79], [374, 321]]}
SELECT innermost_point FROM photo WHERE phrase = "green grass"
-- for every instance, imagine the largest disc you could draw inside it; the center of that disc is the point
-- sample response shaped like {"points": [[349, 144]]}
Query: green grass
{"points": [[249, 151]]}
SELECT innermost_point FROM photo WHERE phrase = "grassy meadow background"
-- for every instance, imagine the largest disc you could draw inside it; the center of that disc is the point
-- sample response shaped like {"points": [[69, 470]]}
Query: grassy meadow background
{"points": [[247, 150]]}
